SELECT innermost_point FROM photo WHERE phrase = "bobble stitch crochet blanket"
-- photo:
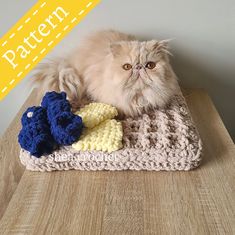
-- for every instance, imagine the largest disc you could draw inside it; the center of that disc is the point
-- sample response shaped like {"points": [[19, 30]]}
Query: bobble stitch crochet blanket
{"points": [[162, 139]]}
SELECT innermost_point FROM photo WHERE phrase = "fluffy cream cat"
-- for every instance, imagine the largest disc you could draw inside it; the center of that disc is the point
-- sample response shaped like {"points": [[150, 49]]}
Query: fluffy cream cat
{"points": [[113, 68]]}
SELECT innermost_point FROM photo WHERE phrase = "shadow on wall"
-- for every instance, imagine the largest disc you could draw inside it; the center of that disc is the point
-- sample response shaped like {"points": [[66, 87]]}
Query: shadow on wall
{"points": [[191, 75]]}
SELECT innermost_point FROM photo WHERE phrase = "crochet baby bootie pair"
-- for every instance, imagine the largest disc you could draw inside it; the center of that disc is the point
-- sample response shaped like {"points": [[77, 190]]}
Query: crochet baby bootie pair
{"points": [[45, 128]]}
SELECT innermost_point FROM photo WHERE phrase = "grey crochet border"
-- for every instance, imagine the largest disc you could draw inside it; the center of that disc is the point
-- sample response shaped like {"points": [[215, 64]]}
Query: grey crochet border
{"points": [[162, 139]]}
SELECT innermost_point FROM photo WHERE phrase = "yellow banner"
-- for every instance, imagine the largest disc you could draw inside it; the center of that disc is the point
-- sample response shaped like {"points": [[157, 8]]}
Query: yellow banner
{"points": [[34, 35]]}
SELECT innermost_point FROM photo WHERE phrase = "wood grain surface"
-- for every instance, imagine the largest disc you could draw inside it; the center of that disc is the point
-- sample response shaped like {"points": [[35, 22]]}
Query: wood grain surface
{"points": [[11, 169], [201, 201]]}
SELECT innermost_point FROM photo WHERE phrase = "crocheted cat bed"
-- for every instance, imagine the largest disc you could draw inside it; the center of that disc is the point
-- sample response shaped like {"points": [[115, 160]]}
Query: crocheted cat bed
{"points": [[162, 139]]}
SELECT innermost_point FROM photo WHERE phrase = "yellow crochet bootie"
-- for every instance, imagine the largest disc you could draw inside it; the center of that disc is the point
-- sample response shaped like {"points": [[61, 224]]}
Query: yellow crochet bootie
{"points": [[95, 113], [102, 131]]}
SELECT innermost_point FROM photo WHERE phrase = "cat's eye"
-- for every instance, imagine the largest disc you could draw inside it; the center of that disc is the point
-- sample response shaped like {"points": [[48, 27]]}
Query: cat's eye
{"points": [[127, 66], [150, 65]]}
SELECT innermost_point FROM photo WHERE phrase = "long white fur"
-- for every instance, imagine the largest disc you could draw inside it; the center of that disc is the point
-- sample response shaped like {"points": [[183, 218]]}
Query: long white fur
{"points": [[95, 69]]}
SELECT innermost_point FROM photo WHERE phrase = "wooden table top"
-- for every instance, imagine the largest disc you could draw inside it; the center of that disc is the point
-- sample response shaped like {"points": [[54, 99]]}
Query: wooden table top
{"points": [[201, 201]]}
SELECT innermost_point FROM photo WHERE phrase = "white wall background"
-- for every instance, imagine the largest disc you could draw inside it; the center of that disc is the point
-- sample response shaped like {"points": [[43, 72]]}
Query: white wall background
{"points": [[203, 46]]}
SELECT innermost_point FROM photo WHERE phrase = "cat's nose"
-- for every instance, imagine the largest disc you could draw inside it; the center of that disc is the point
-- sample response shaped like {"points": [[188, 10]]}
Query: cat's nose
{"points": [[138, 66]]}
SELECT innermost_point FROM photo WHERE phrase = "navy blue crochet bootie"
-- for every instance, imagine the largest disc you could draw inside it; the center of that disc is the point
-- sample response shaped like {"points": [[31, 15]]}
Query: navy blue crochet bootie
{"points": [[35, 135], [66, 127]]}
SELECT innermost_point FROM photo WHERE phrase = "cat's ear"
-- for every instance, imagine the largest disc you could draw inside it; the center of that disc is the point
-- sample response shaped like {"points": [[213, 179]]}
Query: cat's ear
{"points": [[160, 46], [116, 48]]}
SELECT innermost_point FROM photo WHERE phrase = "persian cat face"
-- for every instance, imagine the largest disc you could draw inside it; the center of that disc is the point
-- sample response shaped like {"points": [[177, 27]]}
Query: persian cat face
{"points": [[141, 75]]}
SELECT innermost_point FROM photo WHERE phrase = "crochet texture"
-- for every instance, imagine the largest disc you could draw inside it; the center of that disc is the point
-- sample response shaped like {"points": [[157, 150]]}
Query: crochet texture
{"points": [[95, 113], [107, 136], [162, 139], [35, 135], [65, 126], [46, 127], [102, 132]]}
